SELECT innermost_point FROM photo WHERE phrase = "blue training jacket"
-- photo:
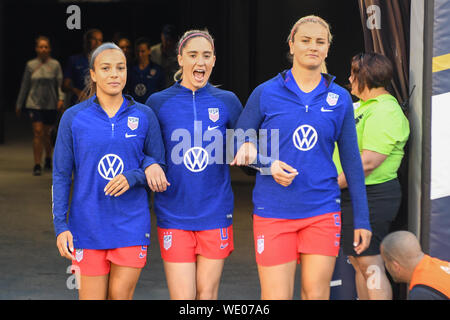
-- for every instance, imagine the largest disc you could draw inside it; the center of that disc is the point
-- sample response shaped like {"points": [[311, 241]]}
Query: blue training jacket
{"points": [[95, 148], [193, 126], [307, 133]]}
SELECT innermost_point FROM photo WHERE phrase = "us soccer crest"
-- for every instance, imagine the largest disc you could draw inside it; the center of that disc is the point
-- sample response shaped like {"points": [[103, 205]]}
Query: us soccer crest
{"points": [[213, 114], [260, 244], [79, 254], [332, 98], [133, 123], [167, 241]]}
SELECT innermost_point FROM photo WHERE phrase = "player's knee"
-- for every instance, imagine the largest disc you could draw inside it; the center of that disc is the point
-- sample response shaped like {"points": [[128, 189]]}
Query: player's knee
{"points": [[209, 292], [118, 293], [206, 295], [316, 292]]}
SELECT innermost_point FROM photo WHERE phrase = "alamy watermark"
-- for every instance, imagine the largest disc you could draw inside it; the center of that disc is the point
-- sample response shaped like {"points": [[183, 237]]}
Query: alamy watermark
{"points": [[74, 20], [208, 147], [73, 281]]}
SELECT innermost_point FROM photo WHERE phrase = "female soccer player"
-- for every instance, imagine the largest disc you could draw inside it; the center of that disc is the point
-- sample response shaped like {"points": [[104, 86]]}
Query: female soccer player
{"points": [[296, 205], [105, 142], [382, 131], [195, 211], [41, 95]]}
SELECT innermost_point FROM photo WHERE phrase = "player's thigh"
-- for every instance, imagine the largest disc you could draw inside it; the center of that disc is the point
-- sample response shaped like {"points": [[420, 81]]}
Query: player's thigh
{"points": [[93, 287], [277, 282], [316, 274], [181, 280], [209, 272], [122, 282]]}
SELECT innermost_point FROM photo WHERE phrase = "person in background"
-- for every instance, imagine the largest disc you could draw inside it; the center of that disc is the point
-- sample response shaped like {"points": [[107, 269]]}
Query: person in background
{"points": [[124, 43], [382, 131], [164, 53], [428, 277], [145, 76], [41, 95], [76, 71]]}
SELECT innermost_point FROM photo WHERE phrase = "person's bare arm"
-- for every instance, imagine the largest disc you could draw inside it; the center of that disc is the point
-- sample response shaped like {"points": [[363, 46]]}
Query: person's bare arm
{"points": [[370, 161]]}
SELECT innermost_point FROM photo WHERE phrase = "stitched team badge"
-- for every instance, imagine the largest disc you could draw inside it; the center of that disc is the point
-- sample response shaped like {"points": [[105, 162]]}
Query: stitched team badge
{"points": [[260, 244], [140, 89], [167, 241], [79, 255], [213, 114], [332, 98], [133, 123]]}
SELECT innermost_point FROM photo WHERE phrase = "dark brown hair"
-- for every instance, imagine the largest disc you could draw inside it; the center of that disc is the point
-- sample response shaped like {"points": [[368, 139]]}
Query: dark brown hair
{"points": [[371, 70], [91, 87], [190, 34], [40, 38]]}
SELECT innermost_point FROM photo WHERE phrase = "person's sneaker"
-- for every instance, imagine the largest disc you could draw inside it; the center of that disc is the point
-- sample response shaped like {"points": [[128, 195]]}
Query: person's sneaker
{"points": [[37, 170], [48, 164]]}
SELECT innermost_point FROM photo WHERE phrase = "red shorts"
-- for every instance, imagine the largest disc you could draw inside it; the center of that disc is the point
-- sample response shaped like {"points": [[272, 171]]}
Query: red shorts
{"points": [[91, 262], [184, 246], [279, 241]]}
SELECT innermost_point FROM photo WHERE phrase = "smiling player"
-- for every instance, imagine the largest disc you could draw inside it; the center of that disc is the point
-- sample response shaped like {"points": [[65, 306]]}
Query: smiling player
{"points": [[104, 142]]}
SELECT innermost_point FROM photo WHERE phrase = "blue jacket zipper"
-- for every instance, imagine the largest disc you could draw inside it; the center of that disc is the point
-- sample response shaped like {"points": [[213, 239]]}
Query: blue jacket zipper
{"points": [[194, 106]]}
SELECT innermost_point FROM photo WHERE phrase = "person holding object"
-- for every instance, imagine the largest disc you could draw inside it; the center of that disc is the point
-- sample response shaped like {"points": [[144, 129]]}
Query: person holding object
{"points": [[41, 95], [296, 214], [382, 131], [194, 212], [105, 142]]}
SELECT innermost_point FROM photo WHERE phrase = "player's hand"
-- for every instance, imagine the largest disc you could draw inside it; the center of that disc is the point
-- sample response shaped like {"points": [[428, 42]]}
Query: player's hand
{"points": [[283, 173], [246, 155], [156, 178], [64, 242], [361, 240], [117, 186]]}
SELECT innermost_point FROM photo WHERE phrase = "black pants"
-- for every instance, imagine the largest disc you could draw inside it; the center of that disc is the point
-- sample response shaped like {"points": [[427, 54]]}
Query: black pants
{"points": [[384, 202]]}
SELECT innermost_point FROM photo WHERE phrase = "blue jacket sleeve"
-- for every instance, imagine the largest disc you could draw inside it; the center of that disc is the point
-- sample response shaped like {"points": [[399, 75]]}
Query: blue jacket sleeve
{"points": [[153, 150], [352, 167], [248, 124], [63, 166]]}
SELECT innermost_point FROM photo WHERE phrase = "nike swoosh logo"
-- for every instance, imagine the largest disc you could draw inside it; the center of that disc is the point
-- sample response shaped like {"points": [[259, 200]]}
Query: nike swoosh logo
{"points": [[326, 110], [222, 246], [212, 128], [130, 135]]}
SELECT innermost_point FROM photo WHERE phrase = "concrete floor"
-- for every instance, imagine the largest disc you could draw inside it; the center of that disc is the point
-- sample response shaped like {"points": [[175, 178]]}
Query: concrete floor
{"points": [[30, 264]]}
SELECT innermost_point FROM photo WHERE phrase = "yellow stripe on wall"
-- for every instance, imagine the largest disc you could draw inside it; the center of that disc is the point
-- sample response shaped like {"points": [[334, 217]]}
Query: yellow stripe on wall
{"points": [[441, 63]]}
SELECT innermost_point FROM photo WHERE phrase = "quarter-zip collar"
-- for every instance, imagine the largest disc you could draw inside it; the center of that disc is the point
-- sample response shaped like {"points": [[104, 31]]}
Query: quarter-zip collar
{"points": [[182, 88], [329, 79], [126, 104], [285, 77]]}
